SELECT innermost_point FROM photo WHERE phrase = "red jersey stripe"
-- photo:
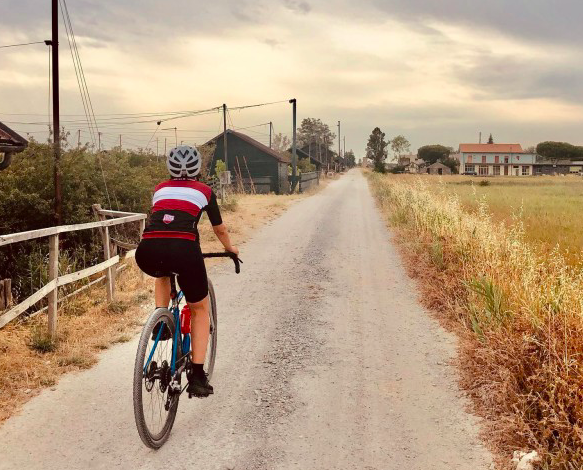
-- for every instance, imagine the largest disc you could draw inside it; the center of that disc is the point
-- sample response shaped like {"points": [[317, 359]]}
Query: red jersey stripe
{"points": [[176, 205], [160, 234]]}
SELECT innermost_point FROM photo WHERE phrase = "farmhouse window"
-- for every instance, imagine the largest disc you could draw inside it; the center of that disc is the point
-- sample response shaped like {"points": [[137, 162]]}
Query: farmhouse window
{"points": [[483, 158], [497, 170], [497, 159], [505, 159], [525, 171], [469, 159], [470, 168], [483, 170]]}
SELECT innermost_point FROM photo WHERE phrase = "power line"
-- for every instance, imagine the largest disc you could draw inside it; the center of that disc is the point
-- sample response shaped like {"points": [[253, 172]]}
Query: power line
{"points": [[23, 44]]}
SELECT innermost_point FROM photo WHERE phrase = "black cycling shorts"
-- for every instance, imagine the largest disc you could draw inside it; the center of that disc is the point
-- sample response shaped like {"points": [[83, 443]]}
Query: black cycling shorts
{"points": [[160, 257]]}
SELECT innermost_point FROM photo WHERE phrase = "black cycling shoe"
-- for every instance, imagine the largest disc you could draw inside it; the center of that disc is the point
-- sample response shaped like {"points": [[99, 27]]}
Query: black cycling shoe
{"points": [[198, 386], [165, 335]]}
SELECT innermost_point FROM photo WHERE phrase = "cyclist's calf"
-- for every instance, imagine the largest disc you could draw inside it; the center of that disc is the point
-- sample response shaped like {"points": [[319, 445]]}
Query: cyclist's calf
{"points": [[200, 328]]}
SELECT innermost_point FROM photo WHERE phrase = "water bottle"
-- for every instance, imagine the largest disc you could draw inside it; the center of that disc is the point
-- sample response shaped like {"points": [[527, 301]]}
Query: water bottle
{"points": [[185, 320]]}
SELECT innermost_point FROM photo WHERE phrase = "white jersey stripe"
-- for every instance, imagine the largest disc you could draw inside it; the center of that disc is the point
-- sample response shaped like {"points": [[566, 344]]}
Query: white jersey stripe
{"points": [[194, 196]]}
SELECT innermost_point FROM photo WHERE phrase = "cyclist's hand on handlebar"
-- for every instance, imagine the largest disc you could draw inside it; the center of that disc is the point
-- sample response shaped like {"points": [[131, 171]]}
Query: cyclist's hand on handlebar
{"points": [[233, 249]]}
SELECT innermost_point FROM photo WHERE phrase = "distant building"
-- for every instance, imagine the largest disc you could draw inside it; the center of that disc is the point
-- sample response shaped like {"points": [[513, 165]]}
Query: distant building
{"points": [[252, 161], [405, 160], [496, 160], [438, 168], [416, 166], [305, 152], [10, 143], [553, 166]]}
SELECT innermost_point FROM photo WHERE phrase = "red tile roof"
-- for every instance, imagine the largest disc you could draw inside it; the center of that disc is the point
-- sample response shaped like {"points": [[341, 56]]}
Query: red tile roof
{"points": [[491, 148]]}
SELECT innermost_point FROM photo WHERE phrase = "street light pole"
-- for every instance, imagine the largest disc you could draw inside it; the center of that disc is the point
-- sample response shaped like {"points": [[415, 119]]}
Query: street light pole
{"points": [[294, 145]]}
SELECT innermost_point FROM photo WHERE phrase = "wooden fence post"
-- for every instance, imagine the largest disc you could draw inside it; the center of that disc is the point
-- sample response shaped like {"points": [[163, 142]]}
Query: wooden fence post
{"points": [[110, 272], [142, 228], [53, 274], [3, 303], [8, 292]]}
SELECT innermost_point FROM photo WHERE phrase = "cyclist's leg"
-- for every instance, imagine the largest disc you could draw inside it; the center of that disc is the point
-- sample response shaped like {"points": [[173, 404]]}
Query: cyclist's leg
{"points": [[162, 292], [200, 327]]}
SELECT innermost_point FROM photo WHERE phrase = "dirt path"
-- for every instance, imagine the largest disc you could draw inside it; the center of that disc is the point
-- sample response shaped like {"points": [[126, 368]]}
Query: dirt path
{"points": [[326, 361]]}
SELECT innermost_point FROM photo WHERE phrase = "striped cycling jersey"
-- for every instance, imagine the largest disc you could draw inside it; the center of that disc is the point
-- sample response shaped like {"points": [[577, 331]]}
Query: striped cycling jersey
{"points": [[177, 207]]}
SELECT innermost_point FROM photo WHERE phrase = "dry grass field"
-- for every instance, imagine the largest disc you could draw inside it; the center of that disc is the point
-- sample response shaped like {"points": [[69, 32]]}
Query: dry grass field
{"points": [[87, 325], [516, 303], [550, 207]]}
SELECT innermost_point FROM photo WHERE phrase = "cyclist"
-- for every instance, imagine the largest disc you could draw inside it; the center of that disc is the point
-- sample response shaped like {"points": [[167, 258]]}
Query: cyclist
{"points": [[171, 244]]}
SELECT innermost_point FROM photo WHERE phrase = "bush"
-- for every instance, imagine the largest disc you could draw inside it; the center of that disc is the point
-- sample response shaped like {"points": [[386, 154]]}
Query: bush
{"points": [[27, 204]]}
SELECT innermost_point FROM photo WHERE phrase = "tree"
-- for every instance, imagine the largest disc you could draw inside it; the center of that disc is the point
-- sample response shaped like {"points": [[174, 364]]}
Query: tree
{"points": [[490, 139], [281, 143], [399, 146], [531, 149], [350, 159], [434, 153], [560, 150], [314, 131], [452, 163], [376, 149]]}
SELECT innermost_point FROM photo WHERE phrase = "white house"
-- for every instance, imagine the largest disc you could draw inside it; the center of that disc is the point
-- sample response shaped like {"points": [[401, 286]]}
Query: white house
{"points": [[496, 160]]}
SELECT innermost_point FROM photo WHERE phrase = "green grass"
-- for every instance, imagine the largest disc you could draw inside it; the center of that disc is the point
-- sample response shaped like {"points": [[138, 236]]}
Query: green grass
{"points": [[550, 208]]}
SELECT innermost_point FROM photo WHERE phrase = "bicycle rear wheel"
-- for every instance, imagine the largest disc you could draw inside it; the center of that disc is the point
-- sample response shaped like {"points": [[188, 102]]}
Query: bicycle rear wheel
{"points": [[155, 403], [211, 350]]}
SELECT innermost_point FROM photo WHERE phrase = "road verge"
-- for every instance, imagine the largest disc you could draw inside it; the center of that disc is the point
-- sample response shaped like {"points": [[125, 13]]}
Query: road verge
{"points": [[517, 311]]}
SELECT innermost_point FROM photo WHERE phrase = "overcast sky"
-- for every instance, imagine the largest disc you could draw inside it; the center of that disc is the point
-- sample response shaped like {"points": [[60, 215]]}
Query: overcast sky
{"points": [[434, 71]]}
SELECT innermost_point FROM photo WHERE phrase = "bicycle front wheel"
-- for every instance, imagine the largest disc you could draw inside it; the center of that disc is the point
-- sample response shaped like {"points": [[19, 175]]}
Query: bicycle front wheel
{"points": [[155, 403]]}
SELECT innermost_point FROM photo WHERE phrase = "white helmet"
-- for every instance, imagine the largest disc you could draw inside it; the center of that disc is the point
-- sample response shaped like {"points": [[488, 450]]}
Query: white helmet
{"points": [[184, 161]]}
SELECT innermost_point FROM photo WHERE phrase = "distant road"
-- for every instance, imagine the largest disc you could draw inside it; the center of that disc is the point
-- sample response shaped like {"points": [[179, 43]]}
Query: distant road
{"points": [[325, 361]]}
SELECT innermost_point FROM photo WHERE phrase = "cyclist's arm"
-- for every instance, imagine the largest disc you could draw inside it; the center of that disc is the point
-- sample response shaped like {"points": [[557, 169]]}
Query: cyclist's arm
{"points": [[223, 235], [219, 227]]}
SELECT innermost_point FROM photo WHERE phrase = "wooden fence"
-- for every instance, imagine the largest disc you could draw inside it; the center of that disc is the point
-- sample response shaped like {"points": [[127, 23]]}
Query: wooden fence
{"points": [[308, 180], [55, 281]]}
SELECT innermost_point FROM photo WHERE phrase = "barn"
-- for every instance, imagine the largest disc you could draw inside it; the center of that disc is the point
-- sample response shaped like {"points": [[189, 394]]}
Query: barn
{"points": [[438, 168], [10, 143], [253, 161]]}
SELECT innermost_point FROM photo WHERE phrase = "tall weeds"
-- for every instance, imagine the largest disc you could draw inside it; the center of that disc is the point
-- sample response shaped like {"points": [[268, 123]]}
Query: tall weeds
{"points": [[522, 311]]}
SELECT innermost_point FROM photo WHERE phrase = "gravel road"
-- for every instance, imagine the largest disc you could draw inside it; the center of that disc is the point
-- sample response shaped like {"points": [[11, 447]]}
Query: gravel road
{"points": [[326, 360]]}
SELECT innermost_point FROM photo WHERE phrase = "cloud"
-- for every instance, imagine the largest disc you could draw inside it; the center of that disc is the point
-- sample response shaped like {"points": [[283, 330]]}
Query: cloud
{"points": [[298, 6], [272, 42], [499, 76], [541, 21]]}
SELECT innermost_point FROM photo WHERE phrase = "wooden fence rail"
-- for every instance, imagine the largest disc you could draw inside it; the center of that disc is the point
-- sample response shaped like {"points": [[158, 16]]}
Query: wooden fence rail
{"points": [[50, 289]]}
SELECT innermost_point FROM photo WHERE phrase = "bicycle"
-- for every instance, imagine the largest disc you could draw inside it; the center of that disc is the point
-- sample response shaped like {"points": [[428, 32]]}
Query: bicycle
{"points": [[158, 369]]}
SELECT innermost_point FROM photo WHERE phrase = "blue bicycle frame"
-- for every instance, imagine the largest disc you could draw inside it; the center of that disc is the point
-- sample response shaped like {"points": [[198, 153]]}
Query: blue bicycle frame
{"points": [[178, 336]]}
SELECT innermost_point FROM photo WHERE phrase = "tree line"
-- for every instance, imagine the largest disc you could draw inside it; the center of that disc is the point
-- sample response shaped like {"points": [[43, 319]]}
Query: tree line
{"points": [[319, 140]]}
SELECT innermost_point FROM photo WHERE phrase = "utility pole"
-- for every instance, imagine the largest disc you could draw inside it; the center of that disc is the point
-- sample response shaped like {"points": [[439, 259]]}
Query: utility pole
{"points": [[157, 147], [120, 141], [176, 136], [294, 144], [99, 141], [78, 138], [165, 141], [339, 140], [56, 123], [270, 127], [225, 137]]}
